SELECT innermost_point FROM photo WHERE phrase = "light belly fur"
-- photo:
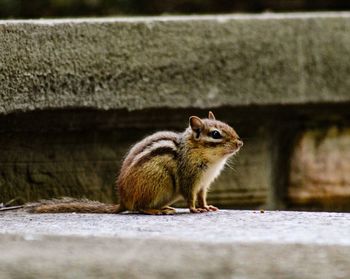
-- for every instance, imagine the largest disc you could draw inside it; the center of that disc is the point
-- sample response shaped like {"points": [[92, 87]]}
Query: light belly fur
{"points": [[211, 173]]}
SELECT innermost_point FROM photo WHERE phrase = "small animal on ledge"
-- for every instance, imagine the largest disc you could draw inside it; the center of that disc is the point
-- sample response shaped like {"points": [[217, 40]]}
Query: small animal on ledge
{"points": [[162, 168]]}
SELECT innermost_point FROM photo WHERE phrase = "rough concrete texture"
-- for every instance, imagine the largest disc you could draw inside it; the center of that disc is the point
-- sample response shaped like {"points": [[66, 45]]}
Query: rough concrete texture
{"points": [[196, 61], [224, 226], [320, 168], [225, 244], [72, 164]]}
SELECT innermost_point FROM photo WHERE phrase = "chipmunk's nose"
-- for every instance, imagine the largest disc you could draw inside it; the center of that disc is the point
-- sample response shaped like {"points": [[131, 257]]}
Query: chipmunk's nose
{"points": [[239, 143]]}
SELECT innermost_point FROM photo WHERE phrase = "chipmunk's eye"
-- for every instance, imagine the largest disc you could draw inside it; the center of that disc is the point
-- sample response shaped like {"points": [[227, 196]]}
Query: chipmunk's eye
{"points": [[215, 134]]}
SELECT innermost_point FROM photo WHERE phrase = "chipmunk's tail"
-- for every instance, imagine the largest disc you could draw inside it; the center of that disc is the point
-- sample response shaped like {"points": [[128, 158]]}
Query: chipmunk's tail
{"points": [[67, 205]]}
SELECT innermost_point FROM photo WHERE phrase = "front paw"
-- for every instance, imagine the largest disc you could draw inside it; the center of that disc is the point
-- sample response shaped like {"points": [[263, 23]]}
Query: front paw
{"points": [[197, 210], [210, 208]]}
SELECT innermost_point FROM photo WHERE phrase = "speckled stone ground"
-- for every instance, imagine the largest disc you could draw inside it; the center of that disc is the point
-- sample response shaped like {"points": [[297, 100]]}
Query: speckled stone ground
{"points": [[224, 244], [223, 226]]}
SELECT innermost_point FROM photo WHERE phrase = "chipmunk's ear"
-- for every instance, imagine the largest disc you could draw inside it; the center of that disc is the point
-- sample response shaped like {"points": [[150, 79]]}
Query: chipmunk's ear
{"points": [[211, 115], [196, 125]]}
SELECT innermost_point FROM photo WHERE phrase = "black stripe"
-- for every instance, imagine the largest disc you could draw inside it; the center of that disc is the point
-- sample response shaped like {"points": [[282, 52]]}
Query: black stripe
{"points": [[173, 180], [203, 166], [146, 143], [160, 151], [212, 144], [144, 147], [172, 177]]}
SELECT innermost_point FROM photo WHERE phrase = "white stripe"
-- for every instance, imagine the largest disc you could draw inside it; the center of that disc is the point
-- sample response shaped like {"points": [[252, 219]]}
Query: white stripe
{"points": [[152, 147], [210, 139]]}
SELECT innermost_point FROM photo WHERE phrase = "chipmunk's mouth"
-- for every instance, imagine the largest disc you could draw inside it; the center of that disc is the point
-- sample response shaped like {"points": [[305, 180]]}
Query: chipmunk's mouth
{"points": [[232, 152], [232, 148], [237, 146]]}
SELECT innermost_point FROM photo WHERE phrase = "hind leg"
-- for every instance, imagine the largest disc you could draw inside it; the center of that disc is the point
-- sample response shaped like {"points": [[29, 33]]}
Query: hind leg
{"points": [[150, 188], [162, 211], [168, 210], [159, 208], [168, 207], [173, 200]]}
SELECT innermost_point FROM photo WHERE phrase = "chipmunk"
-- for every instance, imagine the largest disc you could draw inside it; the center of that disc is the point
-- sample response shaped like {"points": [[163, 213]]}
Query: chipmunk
{"points": [[165, 166]]}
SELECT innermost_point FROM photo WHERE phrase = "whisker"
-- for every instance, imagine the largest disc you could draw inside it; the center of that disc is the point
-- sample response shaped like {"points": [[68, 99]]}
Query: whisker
{"points": [[230, 166]]}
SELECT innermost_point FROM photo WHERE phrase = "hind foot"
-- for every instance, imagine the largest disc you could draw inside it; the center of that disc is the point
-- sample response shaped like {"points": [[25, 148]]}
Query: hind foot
{"points": [[169, 207], [164, 211], [209, 208]]}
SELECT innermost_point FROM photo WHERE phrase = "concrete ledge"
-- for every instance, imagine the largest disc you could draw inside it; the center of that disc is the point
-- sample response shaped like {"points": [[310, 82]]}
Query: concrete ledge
{"points": [[72, 257], [226, 244], [200, 62]]}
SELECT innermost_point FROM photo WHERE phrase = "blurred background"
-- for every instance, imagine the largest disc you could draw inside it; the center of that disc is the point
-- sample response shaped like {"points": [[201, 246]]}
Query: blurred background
{"points": [[85, 8]]}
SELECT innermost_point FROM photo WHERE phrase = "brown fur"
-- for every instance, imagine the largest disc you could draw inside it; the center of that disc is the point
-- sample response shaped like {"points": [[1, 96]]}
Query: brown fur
{"points": [[163, 175], [65, 205], [78, 208]]}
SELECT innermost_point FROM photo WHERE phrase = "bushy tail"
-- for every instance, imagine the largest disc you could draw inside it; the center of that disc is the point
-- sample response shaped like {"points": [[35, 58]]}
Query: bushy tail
{"points": [[69, 205]]}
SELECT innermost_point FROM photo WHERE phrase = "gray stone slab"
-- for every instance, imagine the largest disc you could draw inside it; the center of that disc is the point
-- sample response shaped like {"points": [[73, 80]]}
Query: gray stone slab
{"points": [[225, 244], [225, 226], [177, 62], [72, 257]]}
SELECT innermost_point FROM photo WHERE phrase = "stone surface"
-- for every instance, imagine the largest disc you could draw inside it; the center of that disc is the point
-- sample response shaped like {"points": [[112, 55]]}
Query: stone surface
{"points": [[187, 62], [224, 244], [224, 226], [320, 169], [71, 257]]}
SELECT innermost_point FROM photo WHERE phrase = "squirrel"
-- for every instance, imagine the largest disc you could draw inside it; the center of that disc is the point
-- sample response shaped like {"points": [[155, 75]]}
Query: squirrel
{"points": [[162, 168]]}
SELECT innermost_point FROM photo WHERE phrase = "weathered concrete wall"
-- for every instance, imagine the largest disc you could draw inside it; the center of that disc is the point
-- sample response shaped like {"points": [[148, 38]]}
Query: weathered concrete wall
{"points": [[186, 62], [75, 94]]}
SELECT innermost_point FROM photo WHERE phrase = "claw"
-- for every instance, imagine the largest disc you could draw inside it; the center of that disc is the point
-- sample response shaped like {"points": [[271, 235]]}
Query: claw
{"points": [[197, 210], [208, 208], [211, 208]]}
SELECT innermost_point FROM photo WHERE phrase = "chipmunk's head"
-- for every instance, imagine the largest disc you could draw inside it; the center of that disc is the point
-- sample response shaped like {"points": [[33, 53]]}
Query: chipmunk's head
{"points": [[215, 138]]}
